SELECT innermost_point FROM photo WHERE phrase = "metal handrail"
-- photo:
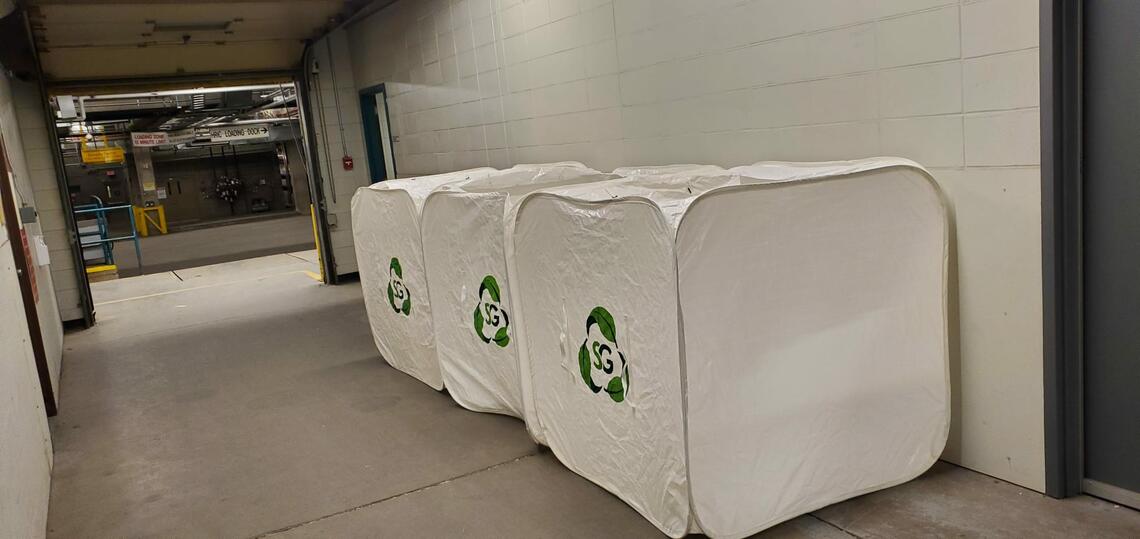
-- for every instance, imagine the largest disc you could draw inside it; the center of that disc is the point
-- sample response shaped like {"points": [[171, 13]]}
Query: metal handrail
{"points": [[134, 228]]}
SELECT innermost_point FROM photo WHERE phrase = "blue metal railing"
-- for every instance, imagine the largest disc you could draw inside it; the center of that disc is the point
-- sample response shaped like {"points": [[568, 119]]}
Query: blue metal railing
{"points": [[102, 225], [101, 214]]}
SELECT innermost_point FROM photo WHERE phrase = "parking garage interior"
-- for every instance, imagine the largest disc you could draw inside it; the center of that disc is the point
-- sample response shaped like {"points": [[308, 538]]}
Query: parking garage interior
{"points": [[204, 168]]}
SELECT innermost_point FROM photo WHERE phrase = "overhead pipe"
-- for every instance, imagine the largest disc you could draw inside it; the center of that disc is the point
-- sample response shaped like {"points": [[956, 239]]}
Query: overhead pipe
{"points": [[191, 91], [249, 122]]}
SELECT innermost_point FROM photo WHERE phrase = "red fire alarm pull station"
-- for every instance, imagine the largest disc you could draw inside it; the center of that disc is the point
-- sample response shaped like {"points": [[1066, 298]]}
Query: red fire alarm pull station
{"points": [[346, 161]]}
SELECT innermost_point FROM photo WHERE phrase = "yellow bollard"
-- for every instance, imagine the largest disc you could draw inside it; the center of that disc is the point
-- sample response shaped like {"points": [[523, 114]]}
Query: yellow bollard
{"points": [[140, 221], [317, 242]]}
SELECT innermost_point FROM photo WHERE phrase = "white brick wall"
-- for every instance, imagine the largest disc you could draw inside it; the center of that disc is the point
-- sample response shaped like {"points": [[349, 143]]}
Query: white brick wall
{"points": [[25, 469], [41, 177], [952, 84], [340, 124], [27, 145]]}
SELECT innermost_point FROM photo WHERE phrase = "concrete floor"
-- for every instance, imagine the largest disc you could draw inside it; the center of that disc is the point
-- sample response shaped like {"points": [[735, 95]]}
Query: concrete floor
{"points": [[216, 244], [247, 400]]}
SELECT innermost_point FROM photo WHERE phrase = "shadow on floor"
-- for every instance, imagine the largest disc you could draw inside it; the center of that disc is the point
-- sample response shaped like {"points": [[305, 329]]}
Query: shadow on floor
{"points": [[253, 403]]}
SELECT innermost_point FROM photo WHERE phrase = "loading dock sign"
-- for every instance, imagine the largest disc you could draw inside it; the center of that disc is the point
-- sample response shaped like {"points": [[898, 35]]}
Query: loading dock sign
{"points": [[158, 138], [162, 138], [238, 132]]}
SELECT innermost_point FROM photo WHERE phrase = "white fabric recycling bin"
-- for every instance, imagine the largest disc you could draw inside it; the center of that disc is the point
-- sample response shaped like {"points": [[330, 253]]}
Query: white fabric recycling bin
{"points": [[389, 254], [667, 170], [670, 184], [729, 359], [464, 252]]}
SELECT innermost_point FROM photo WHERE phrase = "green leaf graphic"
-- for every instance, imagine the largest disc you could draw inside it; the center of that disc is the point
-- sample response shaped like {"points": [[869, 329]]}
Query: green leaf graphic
{"points": [[395, 267], [491, 313], [605, 323], [392, 297], [490, 285], [407, 308], [588, 362], [616, 389], [584, 366], [479, 323], [501, 337]]}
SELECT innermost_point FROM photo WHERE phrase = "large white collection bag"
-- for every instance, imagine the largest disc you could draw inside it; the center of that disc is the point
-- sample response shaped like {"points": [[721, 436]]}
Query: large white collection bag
{"points": [[668, 170], [463, 242], [389, 254], [668, 185], [732, 358]]}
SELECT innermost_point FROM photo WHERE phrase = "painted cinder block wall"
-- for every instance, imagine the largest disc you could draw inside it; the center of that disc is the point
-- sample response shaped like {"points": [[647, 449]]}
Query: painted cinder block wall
{"points": [[28, 149], [25, 442], [952, 84], [42, 177], [335, 116]]}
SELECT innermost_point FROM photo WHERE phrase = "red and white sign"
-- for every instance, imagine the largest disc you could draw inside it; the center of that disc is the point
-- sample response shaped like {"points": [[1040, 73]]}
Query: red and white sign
{"points": [[162, 138], [155, 138], [31, 269]]}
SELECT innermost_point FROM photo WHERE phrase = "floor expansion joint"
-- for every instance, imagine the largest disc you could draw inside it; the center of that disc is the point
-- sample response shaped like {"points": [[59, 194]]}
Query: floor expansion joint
{"points": [[395, 496]]}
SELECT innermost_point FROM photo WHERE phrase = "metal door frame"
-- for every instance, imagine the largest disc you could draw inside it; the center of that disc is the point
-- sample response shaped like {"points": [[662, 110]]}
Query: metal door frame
{"points": [[1061, 248], [1062, 232], [311, 150], [373, 138]]}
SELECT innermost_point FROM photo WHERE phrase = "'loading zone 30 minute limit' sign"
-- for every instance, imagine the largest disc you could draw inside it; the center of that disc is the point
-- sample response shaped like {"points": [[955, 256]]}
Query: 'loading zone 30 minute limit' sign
{"points": [[244, 132]]}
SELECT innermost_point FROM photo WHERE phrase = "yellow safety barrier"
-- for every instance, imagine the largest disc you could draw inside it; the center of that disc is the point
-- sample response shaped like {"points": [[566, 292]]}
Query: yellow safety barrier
{"points": [[142, 217], [317, 242]]}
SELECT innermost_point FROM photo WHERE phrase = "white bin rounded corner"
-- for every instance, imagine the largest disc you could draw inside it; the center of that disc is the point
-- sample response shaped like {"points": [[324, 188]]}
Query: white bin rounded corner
{"points": [[389, 252], [620, 425], [815, 336], [731, 359], [465, 257]]}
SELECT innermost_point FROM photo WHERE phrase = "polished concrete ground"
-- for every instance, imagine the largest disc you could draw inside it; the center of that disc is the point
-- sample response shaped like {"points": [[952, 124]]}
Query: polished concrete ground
{"points": [[247, 400], [241, 239]]}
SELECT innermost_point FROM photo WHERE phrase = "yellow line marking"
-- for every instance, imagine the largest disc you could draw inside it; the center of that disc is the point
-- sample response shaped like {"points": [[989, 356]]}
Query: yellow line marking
{"points": [[315, 276], [102, 268]]}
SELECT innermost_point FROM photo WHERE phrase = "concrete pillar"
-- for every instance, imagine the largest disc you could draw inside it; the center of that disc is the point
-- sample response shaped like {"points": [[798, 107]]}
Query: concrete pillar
{"points": [[144, 172]]}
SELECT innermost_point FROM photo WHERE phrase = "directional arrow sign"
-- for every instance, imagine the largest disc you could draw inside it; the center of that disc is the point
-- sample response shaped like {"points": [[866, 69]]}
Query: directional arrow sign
{"points": [[238, 132]]}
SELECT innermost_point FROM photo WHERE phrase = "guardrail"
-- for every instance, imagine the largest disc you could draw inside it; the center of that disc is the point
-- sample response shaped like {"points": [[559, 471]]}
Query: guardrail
{"points": [[134, 236]]}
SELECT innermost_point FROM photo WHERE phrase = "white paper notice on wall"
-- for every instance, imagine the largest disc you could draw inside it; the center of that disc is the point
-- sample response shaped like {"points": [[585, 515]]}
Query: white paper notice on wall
{"points": [[43, 258]]}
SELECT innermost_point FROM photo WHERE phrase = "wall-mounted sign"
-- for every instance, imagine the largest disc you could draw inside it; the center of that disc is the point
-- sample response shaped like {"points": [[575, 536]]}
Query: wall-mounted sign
{"points": [[102, 156], [162, 138], [28, 256], [238, 132], [184, 136], [152, 138]]}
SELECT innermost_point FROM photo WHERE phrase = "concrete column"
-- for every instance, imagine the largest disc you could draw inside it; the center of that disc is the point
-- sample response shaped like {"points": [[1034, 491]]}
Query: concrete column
{"points": [[144, 172]]}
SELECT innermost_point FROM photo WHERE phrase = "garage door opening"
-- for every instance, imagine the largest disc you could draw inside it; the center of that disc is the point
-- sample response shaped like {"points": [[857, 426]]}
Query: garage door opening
{"points": [[161, 182]]}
